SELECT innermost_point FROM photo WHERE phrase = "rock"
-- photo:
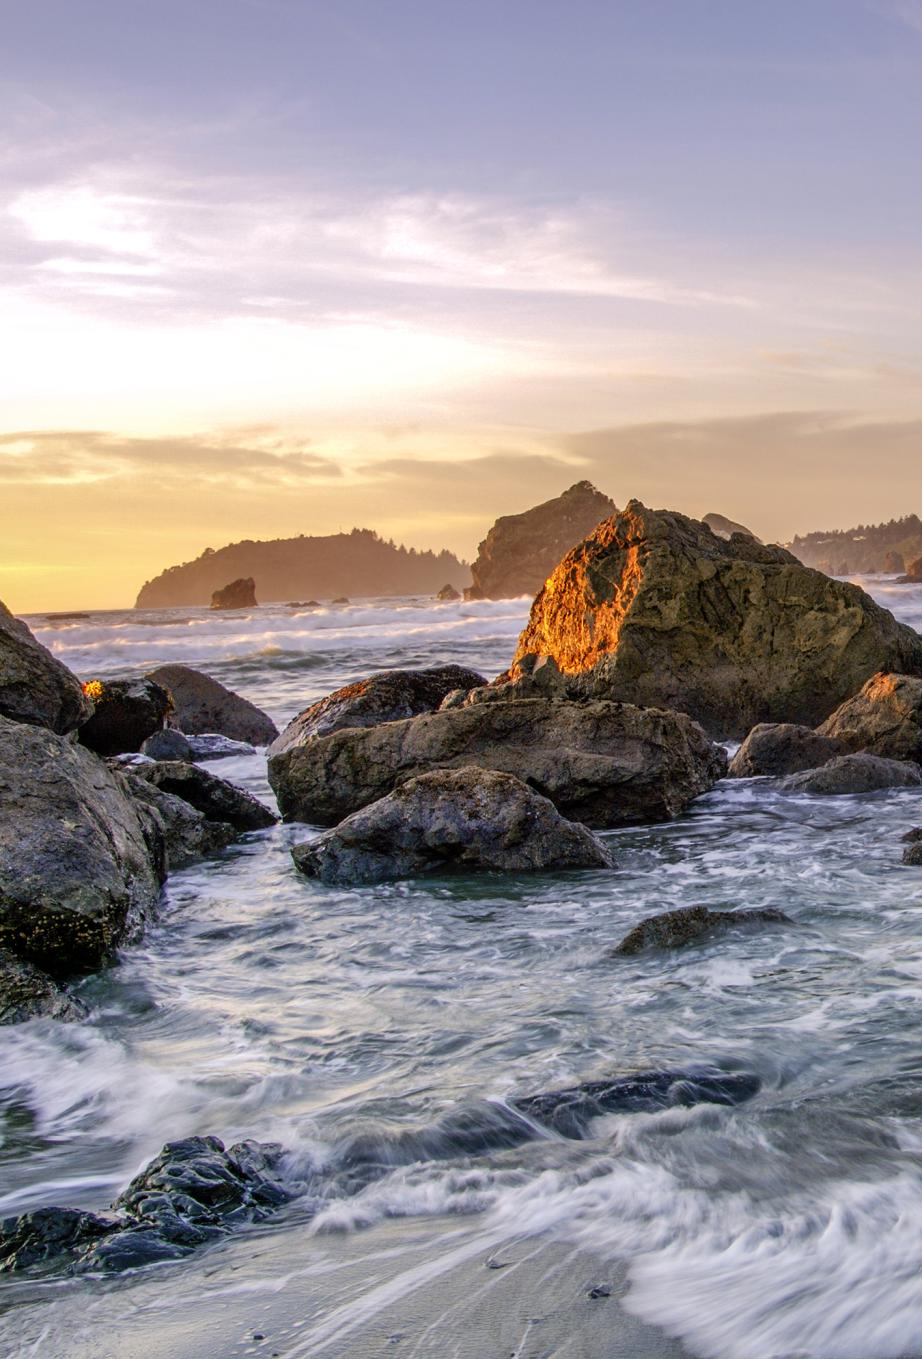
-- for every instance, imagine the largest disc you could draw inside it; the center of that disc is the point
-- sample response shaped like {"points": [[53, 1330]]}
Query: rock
{"points": [[856, 774], [202, 705], [72, 617], [457, 820], [35, 687], [884, 718], [673, 929], [725, 528], [913, 836], [448, 592], [894, 564], [605, 764], [303, 604], [215, 798], [28, 993], [387, 697], [913, 575], [912, 854], [80, 862], [210, 746], [655, 610], [340, 600], [781, 748], [188, 834], [167, 744], [521, 550], [239, 594], [126, 713]]}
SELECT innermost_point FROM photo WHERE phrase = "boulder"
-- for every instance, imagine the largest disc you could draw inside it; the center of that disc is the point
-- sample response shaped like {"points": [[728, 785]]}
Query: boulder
{"points": [[126, 713], [884, 718], [453, 820], [781, 748], [28, 993], [605, 764], [239, 594], [387, 697], [912, 855], [35, 687], [215, 798], [725, 528], [856, 774], [894, 564], [656, 610], [210, 746], [201, 704], [448, 592], [673, 929], [167, 744], [521, 550], [913, 574], [81, 862], [188, 834]]}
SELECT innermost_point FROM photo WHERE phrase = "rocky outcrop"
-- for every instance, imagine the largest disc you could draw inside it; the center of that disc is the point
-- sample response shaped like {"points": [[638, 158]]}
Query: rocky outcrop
{"points": [[782, 748], [856, 774], [894, 564], [656, 610], [605, 764], [674, 929], [126, 713], [81, 863], [188, 834], [28, 993], [201, 704], [725, 528], [913, 574], [216, 799], [912, 854], [387, 697], [239, 594], [521, 550], [448, 592], [453, 820], [35, 687], [884, 718]]}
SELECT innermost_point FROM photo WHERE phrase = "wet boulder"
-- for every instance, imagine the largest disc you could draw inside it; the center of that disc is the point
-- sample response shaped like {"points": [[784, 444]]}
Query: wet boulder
{"points": [[605, 764], [187, 833], [781, 748], [35, 687], [657, 610], [216, 799], [28, 993], [81, 862], [210, 746], [884, 718], [167, 744], [674, 929], [387, 697], [126, 713], [201, 704], [453, 820], [912, 854], [239, 594], [855, 774]]}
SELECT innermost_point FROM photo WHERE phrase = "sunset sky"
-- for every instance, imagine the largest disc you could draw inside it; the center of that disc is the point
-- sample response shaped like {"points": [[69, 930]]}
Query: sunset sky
{"points": [[273, 267]]}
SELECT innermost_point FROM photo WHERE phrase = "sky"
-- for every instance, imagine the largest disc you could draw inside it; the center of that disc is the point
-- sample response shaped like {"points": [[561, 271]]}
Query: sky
{"points": [[271, 267]]}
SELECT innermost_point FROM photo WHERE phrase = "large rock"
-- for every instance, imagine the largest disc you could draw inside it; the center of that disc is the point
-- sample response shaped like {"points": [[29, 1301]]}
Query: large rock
{"points": [[188, 834], [687, 924], [884, 718], [201, 704], [216, 799], [126, 713], [656, 610], [239, 594], [81, 862], [521, 550], [605, 764], [387, 697], [28, 993], [453, 820], [856, 774], [725, 528], [781, 748], [34, 686], [913, 574]]}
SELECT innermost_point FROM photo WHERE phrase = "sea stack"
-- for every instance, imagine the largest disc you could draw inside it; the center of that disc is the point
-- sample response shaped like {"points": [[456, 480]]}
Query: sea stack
{"points": [[239, 594]]}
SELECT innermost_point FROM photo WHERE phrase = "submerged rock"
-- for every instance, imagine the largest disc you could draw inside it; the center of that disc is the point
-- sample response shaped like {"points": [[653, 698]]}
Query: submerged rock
{"points": [[856, 774], [457, 820], [884, 719], [217, 799], [28, 993], [673, 929], [781, 748], [167, 744], [126, 713], [387, 697], [654, 609], [239, 594], [605, 764], [35, 687], [203, 705]]}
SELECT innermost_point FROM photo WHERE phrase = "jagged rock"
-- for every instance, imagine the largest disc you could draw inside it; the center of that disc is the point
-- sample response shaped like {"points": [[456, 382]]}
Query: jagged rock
{"points": [[673, 929], [167, 744], [725, 528], [126, 713], [884, 718], [448, 592], [457, 820], [656, 610], [521, 550], [239, 594], [202, 705], [605, 764], [781, 748], [35, 687], [188, 834], [856, 774], [894, 563], [913, 574], [80, 862], [387, 697], [28, 993], [215, 798]]}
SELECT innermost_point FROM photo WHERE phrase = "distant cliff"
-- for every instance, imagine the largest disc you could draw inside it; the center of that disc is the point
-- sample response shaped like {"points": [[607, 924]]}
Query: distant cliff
{"points": [[869, 547], [357, 563]]}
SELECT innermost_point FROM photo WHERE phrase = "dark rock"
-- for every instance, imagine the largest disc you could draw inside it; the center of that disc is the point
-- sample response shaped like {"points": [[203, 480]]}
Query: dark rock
{"points": [[458, 820], [448, 592], [856, 774], [239, 594], [340, 600], [126, 713], [80, 862], [28, 993], [654, 609], [912, 854], [210, 746], [35, 687], [781, 748], [884, 719], [75, 617], [386, 697], [188, 834], [911, 837], [605, 764], [202, 705], [167, 744], [673, 929], [303, 604], [48, 1235], [215, 798], [913, 575], [725, 528]]}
